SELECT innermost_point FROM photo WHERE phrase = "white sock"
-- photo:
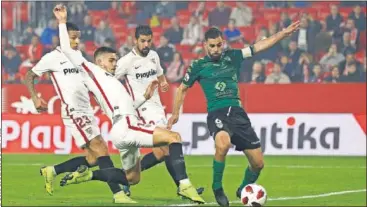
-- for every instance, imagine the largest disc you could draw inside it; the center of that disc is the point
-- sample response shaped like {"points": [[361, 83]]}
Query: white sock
{"points": [[185, 181]]}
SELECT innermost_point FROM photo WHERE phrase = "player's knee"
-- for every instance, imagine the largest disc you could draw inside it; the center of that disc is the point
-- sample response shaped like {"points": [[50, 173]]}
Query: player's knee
{"points": [[222, 142], [174, 137], [92, 160], [133, 178], [98, 146]]}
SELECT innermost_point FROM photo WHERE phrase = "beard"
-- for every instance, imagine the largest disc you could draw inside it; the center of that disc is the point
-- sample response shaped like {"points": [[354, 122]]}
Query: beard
{"points": [[215, 56], [144, 52]]}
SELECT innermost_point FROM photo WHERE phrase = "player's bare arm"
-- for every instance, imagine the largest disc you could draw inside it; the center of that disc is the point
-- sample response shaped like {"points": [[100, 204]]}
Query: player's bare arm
{"points": [[39, 103], [163, 83], [179, 99], [269, 42]]}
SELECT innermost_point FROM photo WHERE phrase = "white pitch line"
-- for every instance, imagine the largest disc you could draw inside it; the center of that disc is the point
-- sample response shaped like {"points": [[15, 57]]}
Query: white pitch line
{"points": [[229, 165], [289, 198]]}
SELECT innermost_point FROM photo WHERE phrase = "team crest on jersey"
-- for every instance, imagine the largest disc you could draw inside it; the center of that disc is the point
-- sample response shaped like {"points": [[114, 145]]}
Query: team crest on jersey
{"points": [[227, 59], [187, 77], [218, 123], [153, 60]]}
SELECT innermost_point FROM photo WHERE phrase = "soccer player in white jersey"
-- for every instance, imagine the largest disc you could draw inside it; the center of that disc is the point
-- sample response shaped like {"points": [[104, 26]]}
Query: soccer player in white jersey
{"points": [[126, 133], [76, 111], [139, 67]]}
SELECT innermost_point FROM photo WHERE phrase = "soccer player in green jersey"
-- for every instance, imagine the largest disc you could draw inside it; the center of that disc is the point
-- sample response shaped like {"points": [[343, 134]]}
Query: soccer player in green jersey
{"points": [[228, 123]]}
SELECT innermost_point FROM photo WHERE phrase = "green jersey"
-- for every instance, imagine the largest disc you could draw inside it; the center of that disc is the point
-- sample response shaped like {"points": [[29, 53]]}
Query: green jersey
{"points": [[218, 79]]}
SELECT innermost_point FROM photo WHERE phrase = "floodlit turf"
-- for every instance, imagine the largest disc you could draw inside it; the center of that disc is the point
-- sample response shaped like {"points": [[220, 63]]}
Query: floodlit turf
{"points": [[288, 180]]}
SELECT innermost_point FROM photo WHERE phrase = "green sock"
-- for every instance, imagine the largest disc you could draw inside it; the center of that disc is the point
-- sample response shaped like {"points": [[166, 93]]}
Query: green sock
{"points": [[218, 169], [250, 177]]}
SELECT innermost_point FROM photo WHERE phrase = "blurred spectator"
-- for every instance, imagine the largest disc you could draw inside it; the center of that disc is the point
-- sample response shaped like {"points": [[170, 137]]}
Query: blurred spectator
{"points": [[35, 50], [286, 66], [333, 57], [199, 12], [317, 76], [263, 34], [108, 43], [154, 21], [220, 15], [232, 33], [334, 76], [285, 21], [175, 32], [165, 51], [176, 69], [166, 9], [352, 74], [115, 10], [11, 62], [323, 39], [242, 14], [88, 30], [359, 18], [269, 54], [334, 20], [293, 52], [103, 32], [55, 44], [277, 76], [193, 33], [304, 36], [346, 44], [76, 12], [4, 43], [306, 75], [302, 68], [127, 46], [349, 58], [49, 32], [314, 24], [257, 74], [27, 35], [354, 32]]}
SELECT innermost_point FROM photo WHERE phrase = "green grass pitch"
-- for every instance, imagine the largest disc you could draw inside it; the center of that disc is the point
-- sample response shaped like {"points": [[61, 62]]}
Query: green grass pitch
{"points": [[289, 181]]}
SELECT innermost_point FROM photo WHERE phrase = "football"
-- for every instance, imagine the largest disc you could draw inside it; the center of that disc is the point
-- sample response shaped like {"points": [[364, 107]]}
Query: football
{"points": [[253, 195]]}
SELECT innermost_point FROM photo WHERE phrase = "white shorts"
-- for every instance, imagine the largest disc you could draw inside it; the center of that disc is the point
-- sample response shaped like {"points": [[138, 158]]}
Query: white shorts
{"points": [[129, 134], [83, 128], [153, 115]]}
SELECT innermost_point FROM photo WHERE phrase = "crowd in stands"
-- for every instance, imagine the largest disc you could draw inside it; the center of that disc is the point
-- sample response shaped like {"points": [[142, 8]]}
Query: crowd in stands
{"points": [[330, 46]]}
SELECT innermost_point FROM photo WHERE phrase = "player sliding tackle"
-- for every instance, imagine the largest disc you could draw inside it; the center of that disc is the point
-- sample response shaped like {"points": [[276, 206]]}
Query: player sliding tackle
{"points": [[227, 121], [126, 133]]}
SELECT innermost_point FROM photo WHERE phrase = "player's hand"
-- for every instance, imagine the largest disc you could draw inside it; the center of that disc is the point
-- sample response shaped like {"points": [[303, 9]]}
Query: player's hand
{"points": [[150, 90], [164, 86], [40, 104], [171, 121], [291, 28], [61, 13]]}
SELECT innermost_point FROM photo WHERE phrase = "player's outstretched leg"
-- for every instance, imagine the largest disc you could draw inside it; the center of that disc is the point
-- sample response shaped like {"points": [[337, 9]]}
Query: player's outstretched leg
{"points": [[49, 173], [222, 145], [109, 175], [173, 140], [159, 155], [252, 172], [99, 148]]}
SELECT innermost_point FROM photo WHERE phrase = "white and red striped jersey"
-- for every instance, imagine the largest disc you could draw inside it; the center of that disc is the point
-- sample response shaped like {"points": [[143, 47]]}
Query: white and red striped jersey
{"points": [[139, 72], [69, 82], [107, 90]]}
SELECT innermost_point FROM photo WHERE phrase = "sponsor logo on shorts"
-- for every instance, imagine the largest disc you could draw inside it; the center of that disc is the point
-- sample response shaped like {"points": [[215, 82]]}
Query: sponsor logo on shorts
{"points": [[218, 123]]}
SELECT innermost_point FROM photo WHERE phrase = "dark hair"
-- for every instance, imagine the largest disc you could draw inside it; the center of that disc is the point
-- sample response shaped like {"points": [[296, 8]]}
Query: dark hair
{"points": [[103, 50], [213, 33], [143, 30], [72, 27]]}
